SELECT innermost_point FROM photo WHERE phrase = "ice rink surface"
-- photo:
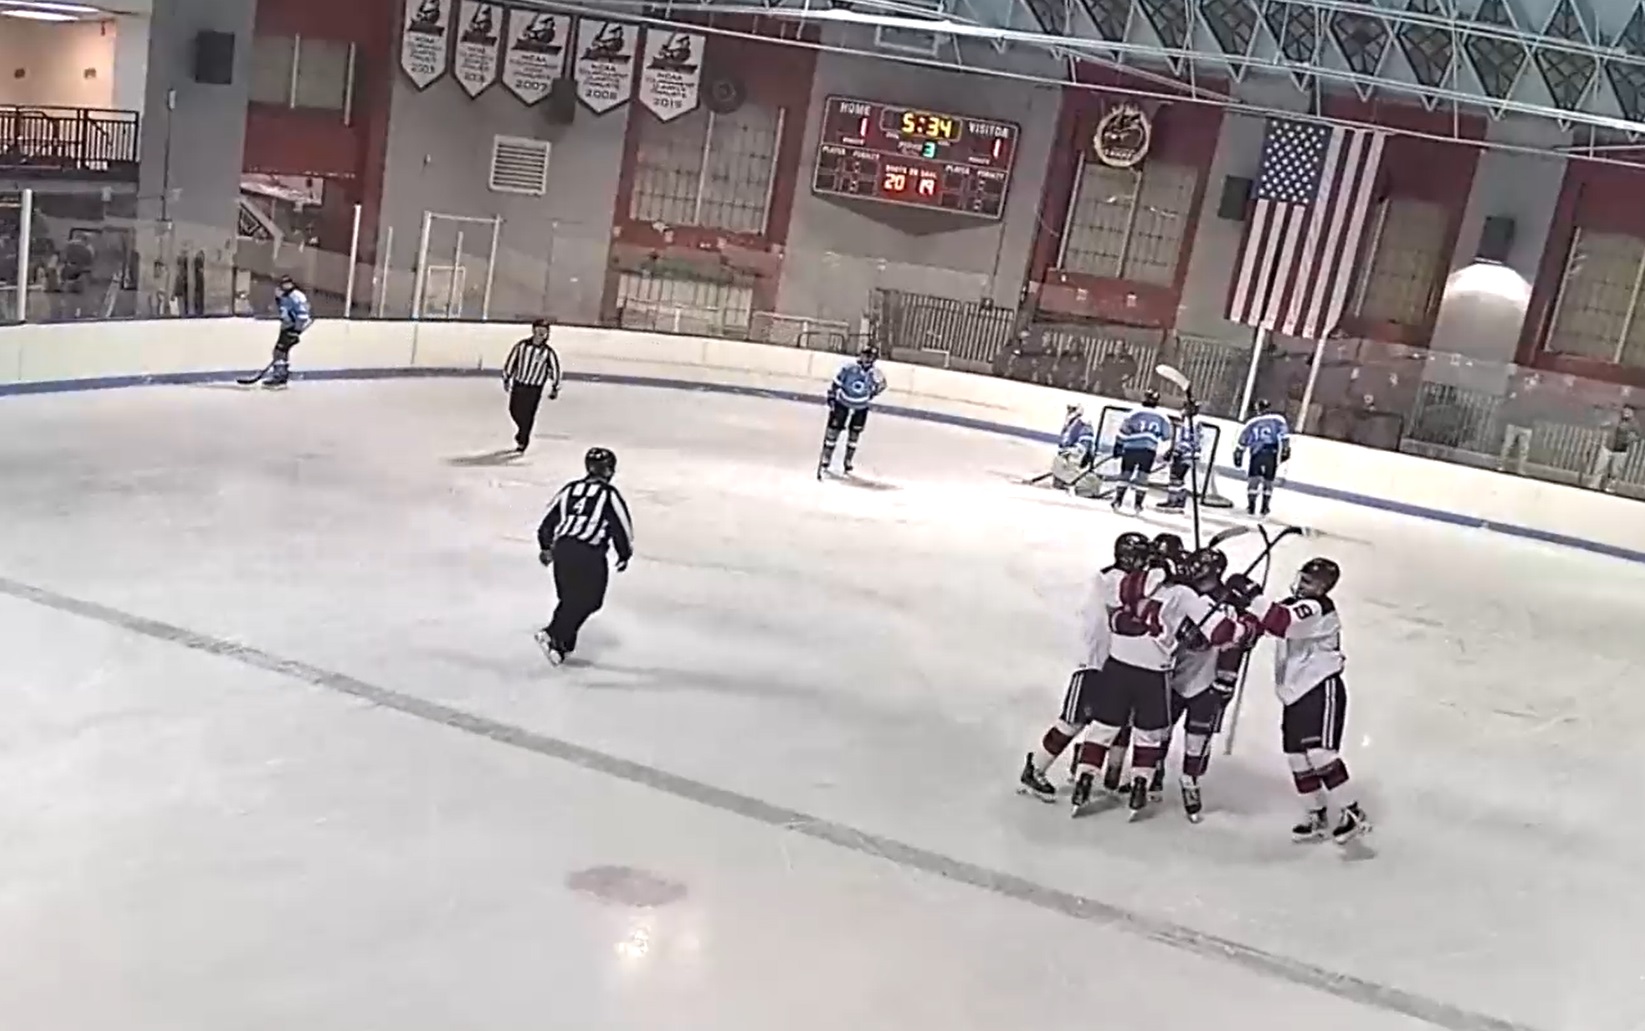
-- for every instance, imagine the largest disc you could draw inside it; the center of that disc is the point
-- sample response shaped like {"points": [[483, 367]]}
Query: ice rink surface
{"points": [[277, 751]]}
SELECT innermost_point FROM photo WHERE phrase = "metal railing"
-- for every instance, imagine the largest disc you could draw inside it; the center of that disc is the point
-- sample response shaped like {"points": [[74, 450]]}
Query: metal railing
{"points": [[68, 142]]}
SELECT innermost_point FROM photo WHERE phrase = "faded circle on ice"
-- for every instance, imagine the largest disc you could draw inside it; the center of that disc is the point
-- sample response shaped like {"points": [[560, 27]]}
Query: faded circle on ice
{"points": [[626, 886]]}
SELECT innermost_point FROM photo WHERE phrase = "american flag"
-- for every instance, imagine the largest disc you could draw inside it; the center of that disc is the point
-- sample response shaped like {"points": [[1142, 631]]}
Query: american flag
{"points": [[1313, 195]]}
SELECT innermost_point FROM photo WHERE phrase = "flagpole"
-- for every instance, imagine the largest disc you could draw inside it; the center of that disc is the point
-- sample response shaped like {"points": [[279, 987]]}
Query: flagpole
{"points": [[1251, 373], [1308, 391]]}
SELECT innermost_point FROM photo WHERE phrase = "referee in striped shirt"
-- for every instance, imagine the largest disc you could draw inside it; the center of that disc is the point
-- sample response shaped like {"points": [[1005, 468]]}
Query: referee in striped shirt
{"points": [[585, 517], [531, 366]]}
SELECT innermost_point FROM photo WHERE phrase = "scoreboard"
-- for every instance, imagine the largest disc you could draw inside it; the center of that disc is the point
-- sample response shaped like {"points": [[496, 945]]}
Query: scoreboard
{"points": [[925, 159]]}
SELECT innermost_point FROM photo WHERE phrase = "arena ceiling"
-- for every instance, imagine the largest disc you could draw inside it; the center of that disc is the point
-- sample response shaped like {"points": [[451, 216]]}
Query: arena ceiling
{"points": [[1488, 58]]}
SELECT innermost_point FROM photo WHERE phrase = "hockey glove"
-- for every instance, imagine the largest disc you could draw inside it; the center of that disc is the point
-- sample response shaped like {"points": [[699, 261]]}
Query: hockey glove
{"points": [[1189, 409], [546, 558], [1285, 452], [1119, 449], [1239, 591], [1239, 457], [622, 564]]}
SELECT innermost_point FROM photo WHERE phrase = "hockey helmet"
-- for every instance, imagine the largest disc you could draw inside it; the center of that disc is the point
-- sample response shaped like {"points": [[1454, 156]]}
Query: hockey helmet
{"points": [[1262, 406], [869, 354], [1150, 398], [1316, 578], [600, 462], [1075, 411], [1204, 569], [1167, 550], [287, 284], [1131, 551]]}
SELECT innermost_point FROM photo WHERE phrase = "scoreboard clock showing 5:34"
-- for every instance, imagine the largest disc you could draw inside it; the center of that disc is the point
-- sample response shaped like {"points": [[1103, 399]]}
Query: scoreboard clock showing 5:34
{"points": [[924, 159]]}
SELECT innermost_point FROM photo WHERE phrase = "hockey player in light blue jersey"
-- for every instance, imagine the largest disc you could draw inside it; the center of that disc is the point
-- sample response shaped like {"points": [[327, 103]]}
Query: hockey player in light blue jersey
{"points": [[1267, 436], [1185, 453], [849, 398], [1076, 449], [1137, 446], [295, 318]]}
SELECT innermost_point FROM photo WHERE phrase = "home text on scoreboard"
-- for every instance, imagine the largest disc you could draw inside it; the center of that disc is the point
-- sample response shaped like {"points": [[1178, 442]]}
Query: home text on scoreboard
{"points": [[904, 155]]}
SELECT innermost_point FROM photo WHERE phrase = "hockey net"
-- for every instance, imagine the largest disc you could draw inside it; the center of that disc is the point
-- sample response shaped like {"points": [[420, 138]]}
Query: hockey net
{"points": [[1108, 425]]}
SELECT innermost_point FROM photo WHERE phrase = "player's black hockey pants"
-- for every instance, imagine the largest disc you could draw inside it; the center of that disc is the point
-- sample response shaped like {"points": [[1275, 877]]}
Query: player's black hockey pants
{"points": [[580, 578], [522, 408]]}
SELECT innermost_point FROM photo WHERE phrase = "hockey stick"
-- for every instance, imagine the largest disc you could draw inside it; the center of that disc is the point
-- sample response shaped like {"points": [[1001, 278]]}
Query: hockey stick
{"points": [[1189, 407], [246, 381], [1235, 703]]}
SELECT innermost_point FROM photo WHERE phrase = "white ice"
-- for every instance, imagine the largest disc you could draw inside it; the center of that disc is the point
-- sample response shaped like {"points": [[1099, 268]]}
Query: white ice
{"points": [[189, 842]]}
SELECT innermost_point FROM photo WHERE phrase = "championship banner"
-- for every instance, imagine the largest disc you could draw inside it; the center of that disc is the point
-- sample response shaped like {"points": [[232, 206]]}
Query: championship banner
{"points": [[479, 35], [424, 41], [605, 64], [671, 78], [534, 53]]}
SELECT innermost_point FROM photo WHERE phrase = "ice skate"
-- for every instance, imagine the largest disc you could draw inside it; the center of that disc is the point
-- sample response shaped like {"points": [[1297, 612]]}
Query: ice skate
{"points": [[1136, 506], [1034, 783], [1350, 824], [1137, 801], [1311, 829], [1119, 500], [1156, 784], [551, 651], [1113, 777], [1081, 796], [1192, 806], [847, 465]]}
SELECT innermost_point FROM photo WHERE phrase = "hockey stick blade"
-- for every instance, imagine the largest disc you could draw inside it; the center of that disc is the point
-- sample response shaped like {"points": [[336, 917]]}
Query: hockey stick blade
{"points": [[246, 381], [1221, 537], [1175, 375]]}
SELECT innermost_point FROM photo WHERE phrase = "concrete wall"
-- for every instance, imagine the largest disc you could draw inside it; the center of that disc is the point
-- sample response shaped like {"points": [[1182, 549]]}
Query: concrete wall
{"points": [[553, 249], [131, 62], [192, 145], [838, 250], [67, 64]]}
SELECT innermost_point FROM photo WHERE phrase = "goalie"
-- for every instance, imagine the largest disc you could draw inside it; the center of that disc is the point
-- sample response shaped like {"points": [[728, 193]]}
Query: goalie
{"points": [[1076, 456]]}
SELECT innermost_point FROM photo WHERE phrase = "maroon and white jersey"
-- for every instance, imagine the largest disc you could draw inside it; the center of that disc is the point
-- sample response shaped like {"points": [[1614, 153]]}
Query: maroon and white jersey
{"points": [[1309, 649], [1096, 636], [1197, 662], [1147, 621]]}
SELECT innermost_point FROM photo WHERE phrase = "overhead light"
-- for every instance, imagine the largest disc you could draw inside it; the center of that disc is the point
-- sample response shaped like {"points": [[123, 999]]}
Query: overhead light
{"points": [[28, 15]]}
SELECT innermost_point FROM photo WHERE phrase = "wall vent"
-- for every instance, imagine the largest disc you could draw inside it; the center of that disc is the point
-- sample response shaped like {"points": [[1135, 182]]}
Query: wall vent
{"points": [[519, 165]]}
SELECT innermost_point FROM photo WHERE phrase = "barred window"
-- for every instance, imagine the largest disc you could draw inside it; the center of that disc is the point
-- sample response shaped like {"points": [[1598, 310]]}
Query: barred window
{"points": [[1597, 312], [707, 169], [678, 304], [290, 71], [271, 62], [1129, 223], [1408, 261]]}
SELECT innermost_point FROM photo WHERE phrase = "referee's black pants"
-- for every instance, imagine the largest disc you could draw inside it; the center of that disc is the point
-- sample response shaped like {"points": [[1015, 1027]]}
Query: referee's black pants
{"points": [[580, 578], [522, 408]]}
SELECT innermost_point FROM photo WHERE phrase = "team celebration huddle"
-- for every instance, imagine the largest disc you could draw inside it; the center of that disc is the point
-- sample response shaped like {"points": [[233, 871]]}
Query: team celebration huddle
{"points": [[1166, 633]]}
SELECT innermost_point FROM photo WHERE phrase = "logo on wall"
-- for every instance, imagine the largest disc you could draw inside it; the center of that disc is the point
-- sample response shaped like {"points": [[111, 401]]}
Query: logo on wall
{"points": [[671, 78], [423, 41], [478, 38], [535, 55], [1123, 136], [605, 64]]}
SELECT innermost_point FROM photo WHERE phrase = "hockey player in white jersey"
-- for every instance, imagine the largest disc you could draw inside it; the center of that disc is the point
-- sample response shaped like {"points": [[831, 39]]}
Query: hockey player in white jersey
{"points": [[1132, 553], [1202, 681], [1145, 620], [1308, 665]]}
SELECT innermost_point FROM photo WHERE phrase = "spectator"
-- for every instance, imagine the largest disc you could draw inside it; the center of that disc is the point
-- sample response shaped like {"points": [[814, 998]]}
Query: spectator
{"points": [[1621, 440]]}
